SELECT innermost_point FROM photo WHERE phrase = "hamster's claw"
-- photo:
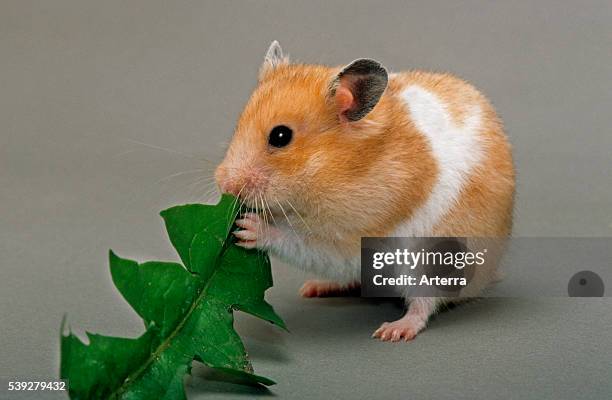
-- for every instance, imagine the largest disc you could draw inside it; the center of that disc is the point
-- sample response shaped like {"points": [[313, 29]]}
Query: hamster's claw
{"points": [[250, 221], [255, 232], [396, 331], [247, 244], [248, 235]]}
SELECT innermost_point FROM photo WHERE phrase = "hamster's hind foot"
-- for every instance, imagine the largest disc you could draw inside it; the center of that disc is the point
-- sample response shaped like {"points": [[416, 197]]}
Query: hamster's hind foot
{"points": [[402, 329], [409, 325], [318, 288]]}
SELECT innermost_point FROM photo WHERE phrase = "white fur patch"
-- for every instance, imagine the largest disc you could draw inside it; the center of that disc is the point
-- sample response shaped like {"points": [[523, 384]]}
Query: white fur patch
{"points": [[457, 149], [293, 249]]}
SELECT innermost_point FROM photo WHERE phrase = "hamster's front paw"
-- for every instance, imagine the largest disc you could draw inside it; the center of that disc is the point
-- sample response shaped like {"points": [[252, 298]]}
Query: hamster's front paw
{"points": [[255, 232]]}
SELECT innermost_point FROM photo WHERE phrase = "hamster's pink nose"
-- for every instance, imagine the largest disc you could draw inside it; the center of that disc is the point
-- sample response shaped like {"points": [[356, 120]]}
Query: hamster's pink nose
{"points": [[225, 182], [241, 182], [231, 187], [243, 185]]}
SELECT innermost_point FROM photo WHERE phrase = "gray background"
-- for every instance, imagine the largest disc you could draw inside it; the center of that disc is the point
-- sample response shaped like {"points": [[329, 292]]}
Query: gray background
{"points": [[102, 100]]}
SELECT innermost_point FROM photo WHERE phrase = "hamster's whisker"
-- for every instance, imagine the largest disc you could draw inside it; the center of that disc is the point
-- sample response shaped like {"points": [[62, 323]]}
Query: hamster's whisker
{"points": [[269, 210], [256, 201], [204, 180], [263, 210], [287, 218], [193, 187], [207, 195], [260, 212], [155, 147], [300, 216], [197, 181], [191, 171], [124, 153], [169, 150], [236, 200], [268, 213]]}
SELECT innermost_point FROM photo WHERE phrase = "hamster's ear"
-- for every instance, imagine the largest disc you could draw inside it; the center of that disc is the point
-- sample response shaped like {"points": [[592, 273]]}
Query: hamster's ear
{"points": [[357, 88], [274, 58]]}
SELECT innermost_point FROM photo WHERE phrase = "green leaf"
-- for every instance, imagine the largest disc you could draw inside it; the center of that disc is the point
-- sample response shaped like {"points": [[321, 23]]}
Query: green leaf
{"points": [[187, 311], [205, 225], [160, 292]]}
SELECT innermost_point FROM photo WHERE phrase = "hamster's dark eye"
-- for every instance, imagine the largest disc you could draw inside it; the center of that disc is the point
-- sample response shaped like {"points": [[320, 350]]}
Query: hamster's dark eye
{"points": [[280, 136]]}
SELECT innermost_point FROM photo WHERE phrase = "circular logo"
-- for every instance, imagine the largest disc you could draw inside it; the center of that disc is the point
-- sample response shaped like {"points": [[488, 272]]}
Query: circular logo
{"points": [[585, 284]]}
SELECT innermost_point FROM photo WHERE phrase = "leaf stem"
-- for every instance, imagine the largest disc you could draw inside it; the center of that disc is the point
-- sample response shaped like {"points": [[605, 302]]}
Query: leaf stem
{"points": [[166, 343]]}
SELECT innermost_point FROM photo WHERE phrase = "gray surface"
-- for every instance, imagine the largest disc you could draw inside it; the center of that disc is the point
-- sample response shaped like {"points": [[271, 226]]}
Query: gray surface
{"points": [[82, 82]]}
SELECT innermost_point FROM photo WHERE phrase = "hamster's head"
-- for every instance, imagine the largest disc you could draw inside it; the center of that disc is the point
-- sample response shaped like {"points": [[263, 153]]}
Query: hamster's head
{"points": [[304, 135]]}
